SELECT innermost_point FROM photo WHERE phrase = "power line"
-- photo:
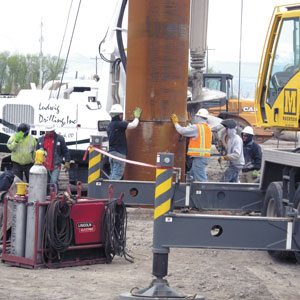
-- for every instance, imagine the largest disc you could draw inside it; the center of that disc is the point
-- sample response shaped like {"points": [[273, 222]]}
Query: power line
{"points": [[96, 60]]}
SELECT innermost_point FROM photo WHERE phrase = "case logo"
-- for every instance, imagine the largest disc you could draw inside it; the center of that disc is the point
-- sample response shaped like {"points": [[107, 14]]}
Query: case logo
{"points": [[290, 102]]}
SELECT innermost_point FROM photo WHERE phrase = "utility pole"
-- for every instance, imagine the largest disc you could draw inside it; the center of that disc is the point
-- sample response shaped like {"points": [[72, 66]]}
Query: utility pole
{"points": [[207, 58], [96, 59], [41, 56]]}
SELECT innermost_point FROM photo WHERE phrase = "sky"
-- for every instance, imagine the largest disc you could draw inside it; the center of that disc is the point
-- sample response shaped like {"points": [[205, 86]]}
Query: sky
{"points": [[20, 26], [20, 22], [224, 21]]}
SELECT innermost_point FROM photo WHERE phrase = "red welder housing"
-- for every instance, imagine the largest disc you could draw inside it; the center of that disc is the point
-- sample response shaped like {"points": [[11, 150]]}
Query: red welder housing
{"points": [[87, 220]]}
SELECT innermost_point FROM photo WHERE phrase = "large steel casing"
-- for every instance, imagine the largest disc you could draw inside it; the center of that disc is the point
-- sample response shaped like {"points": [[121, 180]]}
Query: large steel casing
{"points": [[37, 193], [157, 71]]}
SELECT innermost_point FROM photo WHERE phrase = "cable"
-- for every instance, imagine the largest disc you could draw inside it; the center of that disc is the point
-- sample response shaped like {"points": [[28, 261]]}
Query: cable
{"points": [[58, 232], [99, 49], [114, 228], [103, 40], [123, 57], [63, 73], [62, 42], [119, 36], [240, 57]]}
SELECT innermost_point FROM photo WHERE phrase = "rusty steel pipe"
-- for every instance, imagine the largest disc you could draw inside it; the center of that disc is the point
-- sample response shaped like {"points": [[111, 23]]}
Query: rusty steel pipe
{"points": [[157, 76]]}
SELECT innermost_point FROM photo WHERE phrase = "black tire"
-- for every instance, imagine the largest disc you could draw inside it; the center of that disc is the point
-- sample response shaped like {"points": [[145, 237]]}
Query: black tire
{"points": [[273, 207], [104, 167], [297, 206], [297, 200]]}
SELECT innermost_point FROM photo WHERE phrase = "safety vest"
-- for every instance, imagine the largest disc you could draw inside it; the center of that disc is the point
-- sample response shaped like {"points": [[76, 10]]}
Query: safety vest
{"points": [[202, 144], [23, 152]]}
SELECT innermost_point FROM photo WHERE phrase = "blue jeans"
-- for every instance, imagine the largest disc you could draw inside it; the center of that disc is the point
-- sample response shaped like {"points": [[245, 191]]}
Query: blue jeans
{"points": [[53, 177], [231, 174], [116, 166], [198, 170]]}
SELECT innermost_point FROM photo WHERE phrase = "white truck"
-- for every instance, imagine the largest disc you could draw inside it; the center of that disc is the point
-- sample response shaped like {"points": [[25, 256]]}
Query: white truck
{"points": [[73, 107]]}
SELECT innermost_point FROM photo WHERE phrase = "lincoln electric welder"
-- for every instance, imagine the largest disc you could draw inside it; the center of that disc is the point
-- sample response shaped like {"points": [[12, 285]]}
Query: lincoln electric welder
{"points": [[62, 230]]}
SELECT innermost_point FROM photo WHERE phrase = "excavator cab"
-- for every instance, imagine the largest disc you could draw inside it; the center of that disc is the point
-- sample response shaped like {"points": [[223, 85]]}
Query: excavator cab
{"points": [[278, 86]]}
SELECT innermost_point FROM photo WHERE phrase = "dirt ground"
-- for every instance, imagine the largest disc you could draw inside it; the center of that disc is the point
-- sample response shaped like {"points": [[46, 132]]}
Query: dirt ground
{"points": [[214, 274]]}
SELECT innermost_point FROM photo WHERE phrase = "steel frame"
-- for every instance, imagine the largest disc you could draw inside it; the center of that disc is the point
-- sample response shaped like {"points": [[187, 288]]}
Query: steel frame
{"points": [[228, 232], [203, 195]]}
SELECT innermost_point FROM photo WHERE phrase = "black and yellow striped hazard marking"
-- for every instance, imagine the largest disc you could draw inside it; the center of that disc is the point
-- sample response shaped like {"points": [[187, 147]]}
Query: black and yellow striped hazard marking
{"points": [[94, 165], [163, 191]]}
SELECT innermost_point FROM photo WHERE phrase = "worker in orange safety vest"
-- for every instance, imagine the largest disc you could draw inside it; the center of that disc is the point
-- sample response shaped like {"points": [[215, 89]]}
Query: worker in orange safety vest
{"points": [[200, 143]]}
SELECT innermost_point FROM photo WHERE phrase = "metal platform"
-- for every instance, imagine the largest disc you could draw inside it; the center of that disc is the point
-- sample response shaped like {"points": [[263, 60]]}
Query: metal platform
{"points": [[203, 195]]}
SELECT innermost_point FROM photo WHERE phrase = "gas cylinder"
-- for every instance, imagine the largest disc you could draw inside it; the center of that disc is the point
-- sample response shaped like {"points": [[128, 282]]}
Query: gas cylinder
{"points": [[37, 193], [18, 226]]}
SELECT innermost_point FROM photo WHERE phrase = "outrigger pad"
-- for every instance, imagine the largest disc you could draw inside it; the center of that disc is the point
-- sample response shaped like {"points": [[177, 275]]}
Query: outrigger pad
{"points": [[159, 290]]}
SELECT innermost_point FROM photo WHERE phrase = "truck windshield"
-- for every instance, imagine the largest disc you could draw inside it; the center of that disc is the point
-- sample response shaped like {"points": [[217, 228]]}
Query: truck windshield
{"points": [[213, 83], [286, 59]]}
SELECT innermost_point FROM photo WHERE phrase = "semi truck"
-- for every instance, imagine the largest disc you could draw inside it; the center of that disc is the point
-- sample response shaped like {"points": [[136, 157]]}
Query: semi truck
{"points": [[73, 106]]}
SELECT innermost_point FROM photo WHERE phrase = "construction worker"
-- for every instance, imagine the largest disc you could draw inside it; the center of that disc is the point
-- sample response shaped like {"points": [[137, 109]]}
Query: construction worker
{"points": [[199, 146], [55, 151], [117, 139], [22, 146], [235, 155], [252, 156]]}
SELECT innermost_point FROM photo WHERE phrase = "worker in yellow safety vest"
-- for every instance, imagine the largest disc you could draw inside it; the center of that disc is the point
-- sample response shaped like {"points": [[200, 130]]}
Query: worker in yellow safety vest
{"points": [[22, 146], [200, 143]]}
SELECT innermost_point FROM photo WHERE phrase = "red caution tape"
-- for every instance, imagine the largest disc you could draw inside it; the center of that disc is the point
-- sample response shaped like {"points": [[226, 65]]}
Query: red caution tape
{"points": [[118, 158]]}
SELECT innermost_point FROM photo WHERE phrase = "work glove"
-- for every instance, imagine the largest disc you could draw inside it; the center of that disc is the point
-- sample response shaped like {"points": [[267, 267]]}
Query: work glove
{"points": [[137, 112], [174, 119], [67, 166], [225, 157], [255, 174], [19, 136]]}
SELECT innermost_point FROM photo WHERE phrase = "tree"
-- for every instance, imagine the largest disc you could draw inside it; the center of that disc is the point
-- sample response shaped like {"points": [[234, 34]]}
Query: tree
{"points": [[52, 67], [18, 71], [3, 67]]}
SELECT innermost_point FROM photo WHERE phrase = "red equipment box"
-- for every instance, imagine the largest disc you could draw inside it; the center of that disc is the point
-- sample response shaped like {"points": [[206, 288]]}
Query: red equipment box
{"points": [[87, 220]]}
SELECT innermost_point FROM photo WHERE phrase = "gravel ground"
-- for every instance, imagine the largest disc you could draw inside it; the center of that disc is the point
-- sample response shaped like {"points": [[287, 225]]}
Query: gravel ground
{"points": [[214, 274]]}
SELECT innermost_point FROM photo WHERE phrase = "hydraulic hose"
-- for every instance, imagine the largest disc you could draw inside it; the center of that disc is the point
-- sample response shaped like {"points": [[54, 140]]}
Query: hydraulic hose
{"points": [[58, 231], [114, 230], [119, 35]]}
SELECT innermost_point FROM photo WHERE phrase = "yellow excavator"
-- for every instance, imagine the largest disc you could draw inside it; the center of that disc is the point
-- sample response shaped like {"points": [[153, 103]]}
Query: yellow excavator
{"points": [[241, 110], [278, 107]]}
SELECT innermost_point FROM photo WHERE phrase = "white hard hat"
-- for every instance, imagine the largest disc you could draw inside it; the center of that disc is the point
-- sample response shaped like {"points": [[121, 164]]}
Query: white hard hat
{"points": [[116, 109], [248, 130], [203, 113], [50, 127]]}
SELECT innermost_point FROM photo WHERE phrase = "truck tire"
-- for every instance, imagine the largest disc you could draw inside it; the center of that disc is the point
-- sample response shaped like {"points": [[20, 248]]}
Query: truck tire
{"points": [[273, 207], [297, 200], [297, 206]]}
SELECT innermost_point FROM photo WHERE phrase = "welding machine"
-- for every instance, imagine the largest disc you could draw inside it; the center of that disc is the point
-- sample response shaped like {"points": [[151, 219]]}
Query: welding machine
{"points": [[87, 222], [75, 231]]}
